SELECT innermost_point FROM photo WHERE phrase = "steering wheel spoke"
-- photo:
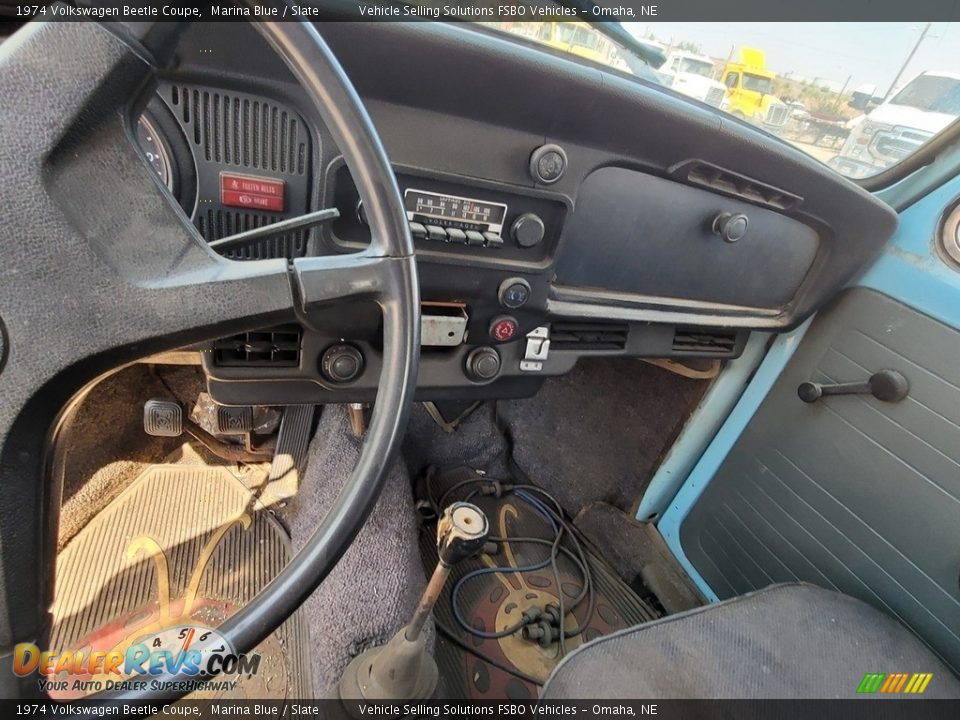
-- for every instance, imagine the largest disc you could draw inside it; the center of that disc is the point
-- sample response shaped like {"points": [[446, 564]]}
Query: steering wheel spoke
{"points": [[328, 278]]}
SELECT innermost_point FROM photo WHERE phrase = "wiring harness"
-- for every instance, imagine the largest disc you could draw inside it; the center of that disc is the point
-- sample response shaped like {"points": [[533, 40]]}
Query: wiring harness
{"points": [[546, 625]]}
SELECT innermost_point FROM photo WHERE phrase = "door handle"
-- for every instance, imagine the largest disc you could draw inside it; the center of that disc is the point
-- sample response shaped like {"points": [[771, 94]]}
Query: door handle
{"points": [[885, 385]]}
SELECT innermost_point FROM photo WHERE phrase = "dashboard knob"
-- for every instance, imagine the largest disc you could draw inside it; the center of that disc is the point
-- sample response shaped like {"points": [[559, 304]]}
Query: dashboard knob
{"points": [[527, 230], [731, 226], [483, 364], [547, 164], [341, 364], [513, 293]]}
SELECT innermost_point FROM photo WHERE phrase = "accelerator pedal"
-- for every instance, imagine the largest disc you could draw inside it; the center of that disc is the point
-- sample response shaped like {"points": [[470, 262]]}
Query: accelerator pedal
{"points": [[183, 546], [290, 457]]}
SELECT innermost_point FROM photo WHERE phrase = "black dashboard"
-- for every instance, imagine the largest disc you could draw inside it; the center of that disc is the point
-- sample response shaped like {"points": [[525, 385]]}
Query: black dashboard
{"points": [[558, 210]]}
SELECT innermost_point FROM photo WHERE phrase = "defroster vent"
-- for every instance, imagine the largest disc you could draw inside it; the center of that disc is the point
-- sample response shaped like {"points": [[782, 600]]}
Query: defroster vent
{"points": [[705, 342], [584, 336]]}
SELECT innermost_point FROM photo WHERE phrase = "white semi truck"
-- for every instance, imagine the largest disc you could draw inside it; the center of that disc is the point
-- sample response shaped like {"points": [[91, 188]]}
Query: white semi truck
{"points": [[692, 75]]}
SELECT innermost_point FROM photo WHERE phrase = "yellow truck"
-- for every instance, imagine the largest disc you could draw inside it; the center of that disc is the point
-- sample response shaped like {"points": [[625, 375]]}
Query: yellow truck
{"points": [[577, 38], [750, 91]]}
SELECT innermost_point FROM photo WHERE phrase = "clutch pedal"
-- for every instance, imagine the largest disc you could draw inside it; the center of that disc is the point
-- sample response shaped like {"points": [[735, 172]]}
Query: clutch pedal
{"points": [[163, 418]]}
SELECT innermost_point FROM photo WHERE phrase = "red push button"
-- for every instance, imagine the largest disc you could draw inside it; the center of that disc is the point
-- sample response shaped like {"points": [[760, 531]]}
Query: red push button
{"points": [[503, 328], [245, 191]]}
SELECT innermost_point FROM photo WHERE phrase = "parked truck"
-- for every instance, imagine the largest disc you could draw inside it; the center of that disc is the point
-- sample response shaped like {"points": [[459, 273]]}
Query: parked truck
{"points": [[750, 94], [692, 74], [898, 126]]}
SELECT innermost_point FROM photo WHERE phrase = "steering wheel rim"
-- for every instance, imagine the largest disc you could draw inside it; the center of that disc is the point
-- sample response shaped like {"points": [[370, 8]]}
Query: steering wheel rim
{"points": [[384, 272]]}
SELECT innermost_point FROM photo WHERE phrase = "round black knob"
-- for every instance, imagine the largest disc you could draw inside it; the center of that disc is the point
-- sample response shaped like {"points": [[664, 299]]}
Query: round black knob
{"points": [[889, 386], [513, 292], [547, 164], [731, 226], [483, 364], [527, 230], [809, 392], [341, 364]]}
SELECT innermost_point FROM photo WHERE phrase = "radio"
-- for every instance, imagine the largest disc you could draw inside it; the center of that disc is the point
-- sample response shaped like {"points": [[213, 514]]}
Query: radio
{"points": [[442, 217], [453, 219]]}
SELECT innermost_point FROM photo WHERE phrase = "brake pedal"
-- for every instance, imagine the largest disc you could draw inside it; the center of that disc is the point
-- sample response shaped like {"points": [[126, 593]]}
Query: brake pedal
{"points": [[162, 418]]}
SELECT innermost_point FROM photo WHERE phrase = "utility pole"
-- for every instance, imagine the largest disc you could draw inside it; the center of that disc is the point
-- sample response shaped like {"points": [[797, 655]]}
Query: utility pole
{"points": [[923, 34]]}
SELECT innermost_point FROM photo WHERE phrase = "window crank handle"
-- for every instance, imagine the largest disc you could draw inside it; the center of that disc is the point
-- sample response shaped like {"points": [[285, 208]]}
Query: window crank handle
{"points": [[885, 385]]}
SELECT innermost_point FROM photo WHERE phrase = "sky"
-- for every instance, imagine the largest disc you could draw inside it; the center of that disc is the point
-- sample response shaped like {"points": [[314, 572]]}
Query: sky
{"points": [[871, 53]]}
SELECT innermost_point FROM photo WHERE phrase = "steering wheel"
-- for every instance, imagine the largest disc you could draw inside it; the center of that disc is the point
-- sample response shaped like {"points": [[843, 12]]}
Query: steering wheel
{"points": [[100, 267]]}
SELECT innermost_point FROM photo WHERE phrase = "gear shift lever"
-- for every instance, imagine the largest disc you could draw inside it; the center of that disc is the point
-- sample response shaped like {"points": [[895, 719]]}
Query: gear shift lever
{"points": [[403, 669]]}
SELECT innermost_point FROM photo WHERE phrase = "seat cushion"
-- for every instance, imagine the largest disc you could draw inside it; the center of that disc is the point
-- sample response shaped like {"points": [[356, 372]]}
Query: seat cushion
{"points": [[785, 641]]}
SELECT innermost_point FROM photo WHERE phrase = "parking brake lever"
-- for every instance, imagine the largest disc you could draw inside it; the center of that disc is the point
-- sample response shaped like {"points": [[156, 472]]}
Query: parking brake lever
{"points": [[885, 385]]}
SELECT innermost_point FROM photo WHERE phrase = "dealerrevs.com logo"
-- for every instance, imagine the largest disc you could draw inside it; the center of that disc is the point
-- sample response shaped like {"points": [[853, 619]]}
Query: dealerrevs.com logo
{"points": [[188, 653]]}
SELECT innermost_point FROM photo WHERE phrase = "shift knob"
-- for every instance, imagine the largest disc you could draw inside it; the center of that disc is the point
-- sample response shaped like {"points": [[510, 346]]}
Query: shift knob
{"points": [[461, 532]]}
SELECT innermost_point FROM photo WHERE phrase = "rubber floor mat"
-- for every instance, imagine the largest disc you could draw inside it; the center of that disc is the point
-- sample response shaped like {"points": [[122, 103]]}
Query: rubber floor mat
{"points": [[184, 545], [496, 600]]}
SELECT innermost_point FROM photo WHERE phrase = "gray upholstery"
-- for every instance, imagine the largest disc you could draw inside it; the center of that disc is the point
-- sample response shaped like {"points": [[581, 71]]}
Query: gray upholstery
{"points": [[786, 641]]}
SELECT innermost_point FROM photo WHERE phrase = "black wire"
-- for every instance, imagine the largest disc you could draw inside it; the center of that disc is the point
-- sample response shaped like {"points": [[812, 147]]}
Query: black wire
{"points": [[563, 526], [511, 629], [588, 576], [463, 645]]}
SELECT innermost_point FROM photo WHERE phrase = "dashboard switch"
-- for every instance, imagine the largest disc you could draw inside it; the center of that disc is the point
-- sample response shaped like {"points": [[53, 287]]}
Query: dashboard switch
{"points": [[503, 328], [435, 232], [483, 364], [341, 364], [418, 231], [547, 164], [514, 293], [456, 235], [493, 240]]}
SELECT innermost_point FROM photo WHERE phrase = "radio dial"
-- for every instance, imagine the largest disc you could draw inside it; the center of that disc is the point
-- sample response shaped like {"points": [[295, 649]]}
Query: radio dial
{"points": [[527, 230]]}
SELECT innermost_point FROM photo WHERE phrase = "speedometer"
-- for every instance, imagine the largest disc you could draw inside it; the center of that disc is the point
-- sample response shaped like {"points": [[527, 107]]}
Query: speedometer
{"points": [[155, 150]]}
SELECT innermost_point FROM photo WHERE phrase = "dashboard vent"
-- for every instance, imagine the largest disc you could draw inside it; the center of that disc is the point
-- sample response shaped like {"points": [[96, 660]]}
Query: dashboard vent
{"points": [[731, 183], [704, 342], [242, 131], [274, 347], [588, 336], [216, 224]]}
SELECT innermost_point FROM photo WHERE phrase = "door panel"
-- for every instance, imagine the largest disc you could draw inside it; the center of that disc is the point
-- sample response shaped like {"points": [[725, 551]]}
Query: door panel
{"points": [[850, 493]]}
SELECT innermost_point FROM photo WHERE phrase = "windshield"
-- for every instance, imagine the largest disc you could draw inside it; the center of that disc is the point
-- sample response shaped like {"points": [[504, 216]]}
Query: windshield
{"points": [[931, 93], [697, 67], [810, 84], [757, 83]]}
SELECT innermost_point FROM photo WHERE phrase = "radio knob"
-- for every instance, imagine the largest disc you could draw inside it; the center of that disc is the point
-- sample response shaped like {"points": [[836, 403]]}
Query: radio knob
{"points": [[527, 230]]}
